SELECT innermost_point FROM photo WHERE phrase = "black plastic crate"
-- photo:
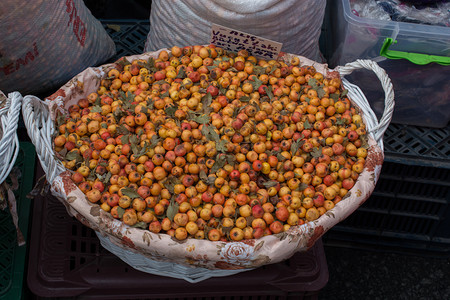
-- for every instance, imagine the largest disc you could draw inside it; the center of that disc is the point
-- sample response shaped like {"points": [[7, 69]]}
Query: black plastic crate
{"points": [[420, 146], [66, 260], [408, 211], [128, 35]]}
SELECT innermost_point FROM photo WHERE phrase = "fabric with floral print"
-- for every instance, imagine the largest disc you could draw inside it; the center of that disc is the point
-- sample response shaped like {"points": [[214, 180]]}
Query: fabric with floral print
{"points": [[203, 253]]}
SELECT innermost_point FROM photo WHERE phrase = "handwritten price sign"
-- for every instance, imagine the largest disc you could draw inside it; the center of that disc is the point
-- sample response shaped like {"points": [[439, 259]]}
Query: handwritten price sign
{"points": [[234, 40]]}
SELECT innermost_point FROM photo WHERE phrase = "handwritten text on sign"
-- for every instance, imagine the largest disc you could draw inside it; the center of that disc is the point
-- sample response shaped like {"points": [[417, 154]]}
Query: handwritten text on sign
{"points": [[234, 40]]}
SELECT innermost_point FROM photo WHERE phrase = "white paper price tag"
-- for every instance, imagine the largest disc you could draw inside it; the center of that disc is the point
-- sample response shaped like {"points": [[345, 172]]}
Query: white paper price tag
{"points": [[234, 40]]}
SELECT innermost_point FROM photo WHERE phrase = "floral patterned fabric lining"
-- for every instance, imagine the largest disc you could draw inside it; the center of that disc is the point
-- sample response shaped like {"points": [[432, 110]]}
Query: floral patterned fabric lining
{"points": [[203, 253]]}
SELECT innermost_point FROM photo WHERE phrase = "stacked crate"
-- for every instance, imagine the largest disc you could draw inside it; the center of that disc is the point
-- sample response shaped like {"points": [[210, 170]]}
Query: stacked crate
{"points": [[410, 207]]}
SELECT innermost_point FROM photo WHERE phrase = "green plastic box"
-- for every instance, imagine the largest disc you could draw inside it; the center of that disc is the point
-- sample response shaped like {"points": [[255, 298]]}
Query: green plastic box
{"points": [[12, 256]]}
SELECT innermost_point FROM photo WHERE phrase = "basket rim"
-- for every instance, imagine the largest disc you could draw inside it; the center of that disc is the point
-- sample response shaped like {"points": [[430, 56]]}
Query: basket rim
{"points": [[307, 228]]}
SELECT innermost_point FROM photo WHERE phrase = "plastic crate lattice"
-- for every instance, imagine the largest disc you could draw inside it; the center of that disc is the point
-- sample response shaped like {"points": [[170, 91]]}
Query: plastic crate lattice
{"points": [[418, 145], [410, 203], [129, 37]]}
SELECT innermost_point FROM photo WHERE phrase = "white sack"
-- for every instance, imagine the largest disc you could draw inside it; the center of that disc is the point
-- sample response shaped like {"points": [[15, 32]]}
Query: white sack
{"points": [[296, 24], [44, 43]]}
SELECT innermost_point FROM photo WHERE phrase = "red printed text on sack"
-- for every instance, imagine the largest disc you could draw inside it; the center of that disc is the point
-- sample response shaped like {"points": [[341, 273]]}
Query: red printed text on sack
{"points": [[79, 28], [22, 61]]}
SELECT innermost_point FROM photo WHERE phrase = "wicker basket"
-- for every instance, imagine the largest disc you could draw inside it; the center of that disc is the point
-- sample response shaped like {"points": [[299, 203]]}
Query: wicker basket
{"points": [[195, 260], [9, 149]]}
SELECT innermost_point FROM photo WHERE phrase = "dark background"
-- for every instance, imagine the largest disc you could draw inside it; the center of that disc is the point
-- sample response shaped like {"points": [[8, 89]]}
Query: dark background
{"points": [[120, 9]]}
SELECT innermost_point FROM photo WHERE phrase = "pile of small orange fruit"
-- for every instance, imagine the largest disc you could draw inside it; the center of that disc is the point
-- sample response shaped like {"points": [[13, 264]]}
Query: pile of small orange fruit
{"points": [[209, 144]]}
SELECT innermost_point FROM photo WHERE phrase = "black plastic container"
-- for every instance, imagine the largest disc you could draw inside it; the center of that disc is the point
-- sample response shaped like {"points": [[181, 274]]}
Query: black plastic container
{"points": [[67, 260], [418, 146], [409, 210]]}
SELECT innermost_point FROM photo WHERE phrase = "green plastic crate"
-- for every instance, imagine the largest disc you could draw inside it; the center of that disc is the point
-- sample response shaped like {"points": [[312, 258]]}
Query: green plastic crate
{"points": [[13, 257]]}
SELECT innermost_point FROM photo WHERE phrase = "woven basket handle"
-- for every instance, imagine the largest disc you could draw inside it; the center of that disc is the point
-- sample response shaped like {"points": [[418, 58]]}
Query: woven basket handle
{"points": [[40, 128], [375, 127], [9, 145]]}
